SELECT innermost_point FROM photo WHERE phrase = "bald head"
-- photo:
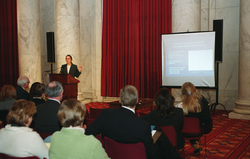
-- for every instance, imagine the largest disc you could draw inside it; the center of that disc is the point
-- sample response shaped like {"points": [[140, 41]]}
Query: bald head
{"points": [[54, 89]]}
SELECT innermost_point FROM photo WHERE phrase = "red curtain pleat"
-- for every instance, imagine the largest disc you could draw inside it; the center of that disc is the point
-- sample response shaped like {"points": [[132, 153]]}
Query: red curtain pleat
{"points": [[9, 69], [131, 45]]}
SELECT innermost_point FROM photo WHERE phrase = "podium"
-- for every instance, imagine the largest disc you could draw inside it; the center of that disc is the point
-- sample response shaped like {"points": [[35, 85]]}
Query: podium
{"points": [[69, 85]]}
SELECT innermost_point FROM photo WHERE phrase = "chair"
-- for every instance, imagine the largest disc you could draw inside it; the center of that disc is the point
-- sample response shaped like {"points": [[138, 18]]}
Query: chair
{"points": [[4, 156], [169, 131], [94, 112], [99, 137], [88, 121], [44, 135], [116, 150], [87, 114], [191, 130], [142, 114]]}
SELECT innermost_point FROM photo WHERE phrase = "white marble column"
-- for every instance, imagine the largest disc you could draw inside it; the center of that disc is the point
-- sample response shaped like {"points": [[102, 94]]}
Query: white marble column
{"points": [[186, 15], [242, 108], [48, 24], [29, 39], [90, 48], [67, 31]]}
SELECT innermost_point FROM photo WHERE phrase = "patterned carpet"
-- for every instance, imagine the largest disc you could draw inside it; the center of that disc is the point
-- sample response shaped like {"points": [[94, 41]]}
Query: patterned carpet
{"points": [[230, 138]]}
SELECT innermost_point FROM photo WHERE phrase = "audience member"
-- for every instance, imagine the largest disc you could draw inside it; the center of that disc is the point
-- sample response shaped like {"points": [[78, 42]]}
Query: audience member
{"points": [[7, 98], [22, 84], [17, 139], [32, 88], [122, 125], [46, 120], [166, 114], [195, 105], [71, 142], [38, 93]]}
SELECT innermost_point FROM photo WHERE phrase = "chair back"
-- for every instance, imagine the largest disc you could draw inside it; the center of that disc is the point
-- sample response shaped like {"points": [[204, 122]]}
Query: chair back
{"points": [[141, 114], [116, 150], [87, 114], [169, 131], [44, 135], [99, 137], [88, 121], [4, 156], [94, 112], [191, 127]]}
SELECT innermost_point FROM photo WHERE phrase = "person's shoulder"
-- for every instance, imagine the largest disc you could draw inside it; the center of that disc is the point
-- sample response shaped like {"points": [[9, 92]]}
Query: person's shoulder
{"points": [[18, 88], [179, 110]]}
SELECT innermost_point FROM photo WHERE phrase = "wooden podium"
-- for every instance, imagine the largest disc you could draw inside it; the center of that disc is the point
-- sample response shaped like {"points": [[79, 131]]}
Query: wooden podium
{"points": [[69, 85]]}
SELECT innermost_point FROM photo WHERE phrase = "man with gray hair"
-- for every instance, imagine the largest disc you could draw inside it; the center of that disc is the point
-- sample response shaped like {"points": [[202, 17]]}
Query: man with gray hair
{"points": [[22, 84], [46, 120], [122, 125]]}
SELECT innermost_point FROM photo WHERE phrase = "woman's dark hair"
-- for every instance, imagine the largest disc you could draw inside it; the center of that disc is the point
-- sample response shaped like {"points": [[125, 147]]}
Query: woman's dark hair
{"points": [[165, 103], [32, 89], [39, 90], [69, 56]]}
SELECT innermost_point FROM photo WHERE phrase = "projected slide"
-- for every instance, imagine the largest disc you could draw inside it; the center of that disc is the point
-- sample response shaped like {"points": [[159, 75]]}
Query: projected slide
{"points": [[188, 57]]}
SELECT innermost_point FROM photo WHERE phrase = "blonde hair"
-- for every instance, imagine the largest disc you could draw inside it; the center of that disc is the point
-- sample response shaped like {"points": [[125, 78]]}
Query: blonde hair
{"points": [[20, 112], [129, 96], [71, 113], [190, 98]]}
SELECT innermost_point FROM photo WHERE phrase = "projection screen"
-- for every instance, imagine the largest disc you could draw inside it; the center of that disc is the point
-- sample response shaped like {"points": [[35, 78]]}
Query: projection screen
{"points": [[188, 57]]}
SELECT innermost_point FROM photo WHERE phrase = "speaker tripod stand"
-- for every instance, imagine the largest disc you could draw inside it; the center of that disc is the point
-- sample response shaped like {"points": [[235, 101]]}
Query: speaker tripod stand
{"points": [[213, 106]]}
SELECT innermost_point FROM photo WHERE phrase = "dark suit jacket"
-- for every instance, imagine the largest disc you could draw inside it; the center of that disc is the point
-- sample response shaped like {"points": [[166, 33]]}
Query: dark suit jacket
{"points": [[21, 93], [73, 70], [123, 126], [38, 101], [46, 120], [176, 121]]}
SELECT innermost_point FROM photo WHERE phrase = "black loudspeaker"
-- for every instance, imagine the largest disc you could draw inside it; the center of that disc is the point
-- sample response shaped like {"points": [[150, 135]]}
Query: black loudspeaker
{"points": [[218, 28], [50, 47]]}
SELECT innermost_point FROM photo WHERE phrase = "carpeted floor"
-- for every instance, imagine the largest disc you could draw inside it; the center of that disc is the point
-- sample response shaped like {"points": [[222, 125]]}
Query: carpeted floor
{"points": [[230, 138]]}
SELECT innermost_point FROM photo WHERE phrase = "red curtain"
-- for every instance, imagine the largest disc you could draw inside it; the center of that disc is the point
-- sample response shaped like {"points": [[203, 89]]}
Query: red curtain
{"points": [[9, 71], [131, 45]]}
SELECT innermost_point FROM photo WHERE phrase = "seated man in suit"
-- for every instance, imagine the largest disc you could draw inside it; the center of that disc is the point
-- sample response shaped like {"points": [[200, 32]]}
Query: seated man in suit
{"points": [[46, 120], [22, 84], [122, 125]]}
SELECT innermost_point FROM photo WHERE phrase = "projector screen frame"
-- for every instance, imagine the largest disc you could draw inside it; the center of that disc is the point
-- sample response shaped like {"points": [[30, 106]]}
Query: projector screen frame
{"points": [[215, 65]]}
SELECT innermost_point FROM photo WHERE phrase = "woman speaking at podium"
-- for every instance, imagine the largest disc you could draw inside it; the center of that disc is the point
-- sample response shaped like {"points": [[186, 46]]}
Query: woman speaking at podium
{"points": [[70, 68]]}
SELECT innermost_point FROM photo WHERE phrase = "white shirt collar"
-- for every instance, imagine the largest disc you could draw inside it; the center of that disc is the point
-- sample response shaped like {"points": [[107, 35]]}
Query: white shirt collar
{"points": [[129, 109], [77, 128], [36, 98], [54, 100]]}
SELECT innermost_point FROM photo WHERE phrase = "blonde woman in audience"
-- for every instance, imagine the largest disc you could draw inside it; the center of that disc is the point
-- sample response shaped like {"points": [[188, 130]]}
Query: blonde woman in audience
{"points": [[195, 105], [17, 139], [71, 142]]}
